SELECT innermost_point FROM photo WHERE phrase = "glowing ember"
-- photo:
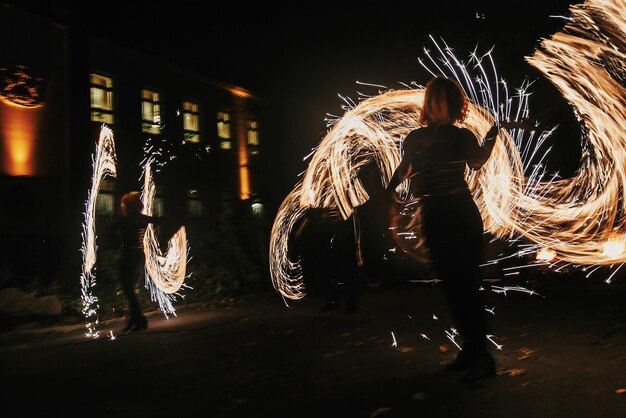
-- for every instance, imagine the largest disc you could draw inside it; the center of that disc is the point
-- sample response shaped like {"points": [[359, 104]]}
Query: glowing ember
{"points": [[546, 254], [614, 247]]}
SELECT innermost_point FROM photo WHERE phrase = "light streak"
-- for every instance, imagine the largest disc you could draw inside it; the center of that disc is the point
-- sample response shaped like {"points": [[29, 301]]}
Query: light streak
{"points": [[504, 289], [165, 272], [395, 343], [452, 334], [425, 336], [103, 166], [517, 199], [491, 338]]}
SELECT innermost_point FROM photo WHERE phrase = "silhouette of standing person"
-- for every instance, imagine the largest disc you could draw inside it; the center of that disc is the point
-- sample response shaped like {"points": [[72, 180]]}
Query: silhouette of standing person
{"points": [[373, 238], [434, 158], [132, 225], [326, 245]]}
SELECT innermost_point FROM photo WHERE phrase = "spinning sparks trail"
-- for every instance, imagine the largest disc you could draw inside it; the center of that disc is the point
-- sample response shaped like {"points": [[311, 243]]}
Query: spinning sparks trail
{"points": [[104, 165], [165, 272], [578, 221]]}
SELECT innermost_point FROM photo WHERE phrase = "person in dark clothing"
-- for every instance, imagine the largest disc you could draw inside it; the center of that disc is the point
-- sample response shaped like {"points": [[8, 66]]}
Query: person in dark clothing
{"points": [[326, 245], [371, 220], [434, 159], [344, 277], [132, 226]]}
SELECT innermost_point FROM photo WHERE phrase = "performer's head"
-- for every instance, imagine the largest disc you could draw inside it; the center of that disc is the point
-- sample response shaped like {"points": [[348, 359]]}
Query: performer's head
{"points": [[444, 102], [131, 203]]}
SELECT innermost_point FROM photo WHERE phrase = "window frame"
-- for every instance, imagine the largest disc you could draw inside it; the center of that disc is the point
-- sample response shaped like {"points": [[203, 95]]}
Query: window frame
{"points": [[150, 126], [100, 114], [192, 136]]}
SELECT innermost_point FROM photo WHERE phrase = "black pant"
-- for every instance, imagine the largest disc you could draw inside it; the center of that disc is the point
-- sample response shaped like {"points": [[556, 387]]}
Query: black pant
{"points": [[453, 231], [131, 267]]}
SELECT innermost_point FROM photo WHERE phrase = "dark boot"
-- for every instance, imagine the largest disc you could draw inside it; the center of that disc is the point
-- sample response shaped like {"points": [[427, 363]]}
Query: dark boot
{"points": [[136, 323], [483, 366]]}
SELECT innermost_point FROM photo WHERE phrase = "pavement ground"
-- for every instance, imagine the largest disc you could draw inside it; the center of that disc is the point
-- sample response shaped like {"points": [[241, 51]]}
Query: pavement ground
{"points": [[562, 353]]}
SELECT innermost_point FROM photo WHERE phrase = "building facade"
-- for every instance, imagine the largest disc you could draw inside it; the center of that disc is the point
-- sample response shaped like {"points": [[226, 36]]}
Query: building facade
{"points": [[59, 86]]}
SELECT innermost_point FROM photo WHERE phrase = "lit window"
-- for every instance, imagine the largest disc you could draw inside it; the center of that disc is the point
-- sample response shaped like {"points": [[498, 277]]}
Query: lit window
{"points": [[150, 112], [105, 200], [101, 91], [223, 130], [191, 124], [194, 203], [253, 137]]}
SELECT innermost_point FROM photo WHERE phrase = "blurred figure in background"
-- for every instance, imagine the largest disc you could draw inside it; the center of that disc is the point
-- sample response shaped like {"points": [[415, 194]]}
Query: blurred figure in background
{"points": [[132, 225]]}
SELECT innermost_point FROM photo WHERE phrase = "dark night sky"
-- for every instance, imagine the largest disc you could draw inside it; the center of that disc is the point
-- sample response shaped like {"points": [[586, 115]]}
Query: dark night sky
{"points": [[298, 56]]}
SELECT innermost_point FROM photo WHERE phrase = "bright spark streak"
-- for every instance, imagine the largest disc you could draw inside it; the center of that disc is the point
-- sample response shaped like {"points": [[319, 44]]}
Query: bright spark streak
{"points": [[425, 336], [491, 338], [103, 166], [165, 272], [504, 289], [575, 217], [452, 337], [395, 343]]}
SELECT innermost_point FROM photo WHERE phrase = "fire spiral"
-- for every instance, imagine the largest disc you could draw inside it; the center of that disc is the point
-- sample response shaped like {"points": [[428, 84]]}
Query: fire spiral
{"points": [[580, 220]]}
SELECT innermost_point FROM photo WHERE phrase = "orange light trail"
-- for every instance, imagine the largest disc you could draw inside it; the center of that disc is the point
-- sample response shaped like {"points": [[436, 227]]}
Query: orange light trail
{"points": [[581, 219]]}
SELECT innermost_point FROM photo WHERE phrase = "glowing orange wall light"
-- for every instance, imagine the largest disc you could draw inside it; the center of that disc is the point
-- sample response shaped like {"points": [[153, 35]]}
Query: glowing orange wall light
{"points": [[18, 137], [242, 143]]}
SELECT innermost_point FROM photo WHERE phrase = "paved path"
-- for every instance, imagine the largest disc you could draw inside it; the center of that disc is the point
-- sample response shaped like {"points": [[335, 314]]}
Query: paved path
{"points": [[563, 354]]}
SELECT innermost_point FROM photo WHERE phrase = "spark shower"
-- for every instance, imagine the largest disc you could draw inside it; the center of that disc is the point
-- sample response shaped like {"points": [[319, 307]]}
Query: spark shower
{"points": [[579, 221]]}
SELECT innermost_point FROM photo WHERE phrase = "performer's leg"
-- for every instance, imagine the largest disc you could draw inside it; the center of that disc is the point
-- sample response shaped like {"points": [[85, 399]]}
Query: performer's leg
{"points": [[131, 262]]}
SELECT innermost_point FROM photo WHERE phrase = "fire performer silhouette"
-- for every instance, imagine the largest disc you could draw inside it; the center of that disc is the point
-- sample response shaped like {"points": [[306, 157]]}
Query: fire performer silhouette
{"points": [[444, 213], [132, 225]]}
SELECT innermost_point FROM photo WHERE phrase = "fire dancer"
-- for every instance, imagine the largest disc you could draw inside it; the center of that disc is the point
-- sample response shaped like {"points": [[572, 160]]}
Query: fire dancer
{"points": [[132, 225], [326, 245], [434, 158]]}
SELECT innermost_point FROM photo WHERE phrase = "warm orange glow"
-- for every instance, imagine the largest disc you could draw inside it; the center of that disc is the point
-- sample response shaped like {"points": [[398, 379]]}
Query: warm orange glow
{"points": [[240, 92], [614, 247], [546, 254], [242, 150], [245, 183], [18, 137]]}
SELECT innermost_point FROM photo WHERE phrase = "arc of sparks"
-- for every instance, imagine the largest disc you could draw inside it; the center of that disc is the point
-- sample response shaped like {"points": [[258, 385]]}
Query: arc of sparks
{"points": [[165, 272], [104, 163], [582, 219]]}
